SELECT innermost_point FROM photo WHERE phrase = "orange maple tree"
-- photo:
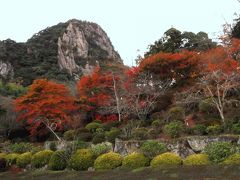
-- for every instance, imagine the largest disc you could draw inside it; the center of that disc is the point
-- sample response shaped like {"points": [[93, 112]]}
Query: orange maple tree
{"points": [[47, 105]]}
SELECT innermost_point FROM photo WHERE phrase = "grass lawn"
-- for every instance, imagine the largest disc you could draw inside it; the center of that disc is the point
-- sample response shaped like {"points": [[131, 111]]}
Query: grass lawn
{"points": [[183, 172]]}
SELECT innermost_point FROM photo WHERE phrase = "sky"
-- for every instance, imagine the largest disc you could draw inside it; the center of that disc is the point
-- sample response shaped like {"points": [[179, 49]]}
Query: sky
{"points": [[131, 24]]}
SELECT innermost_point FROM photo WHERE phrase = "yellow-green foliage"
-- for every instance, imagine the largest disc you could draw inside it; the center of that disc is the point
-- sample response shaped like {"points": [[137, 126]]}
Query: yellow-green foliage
{"points": [[58, 161], [41, 158], [24, 159], [233, 159], [2, 155], [135, 160], [166, 159], [11, 158], [109, 160], [82, 159], [197, 159]]}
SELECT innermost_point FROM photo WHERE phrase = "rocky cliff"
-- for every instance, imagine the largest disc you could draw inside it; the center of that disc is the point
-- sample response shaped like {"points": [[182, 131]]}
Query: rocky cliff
{"points": [[63, 52]]}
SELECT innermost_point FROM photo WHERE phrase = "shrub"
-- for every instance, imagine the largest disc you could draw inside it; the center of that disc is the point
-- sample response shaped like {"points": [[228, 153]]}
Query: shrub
{"points": [[41, 158], [166, 159], [3, 164], [236, 128], [214, 130], [197, 159], [199, 129], [80, 144], [24, 159], [100, 149], [109, 160], [156, 124], [174, 129], [98, 138], [53, 146], [135, 160], [37, 149], [2, 155], [93, 126], [82, 159], [232, 160], [153, 133], [206, 106], [107, 126], [58, 161], [84, 134], [218, 151], [112, 134], [140, 133], [152, 148], [20, 147], [11, 158], [69, 135], [176, 113]]}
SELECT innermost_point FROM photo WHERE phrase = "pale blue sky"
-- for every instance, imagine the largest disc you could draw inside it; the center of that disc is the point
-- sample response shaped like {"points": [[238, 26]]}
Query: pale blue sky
{"points": [[130, 24]]}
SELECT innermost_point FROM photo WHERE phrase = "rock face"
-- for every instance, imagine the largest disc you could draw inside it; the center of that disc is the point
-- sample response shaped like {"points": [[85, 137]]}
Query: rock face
{"points": [[62, 52], [6, 70]]}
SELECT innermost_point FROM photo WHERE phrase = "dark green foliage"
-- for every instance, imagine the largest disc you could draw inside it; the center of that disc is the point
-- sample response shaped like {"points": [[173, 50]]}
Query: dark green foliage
{"points": [[93, 126], [206, 106], [236, 128], [199, 129], [214, 130], [153, 133], [83, 134], [20, 147], [236, 29], [58, 161], [79, 144], [176, 113], [112, 134], [69, 135], [53, 146], [174, 129], [152, 148], [219, 151], [98, 138], [140, 133]]}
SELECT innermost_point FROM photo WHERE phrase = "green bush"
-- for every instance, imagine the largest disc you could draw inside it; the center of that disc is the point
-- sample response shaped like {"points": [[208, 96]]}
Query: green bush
{"points": [[11, 158], [80, 144], [84, 134], [232, 160], [41, 158], [107, 126], [176, 113], [236, 128], [53, 146], [21, 147], [206, 106], [174, 129], [98, 138], [135, 160], [109, 160], [199, 129], [93, 126], [166, 159], [140, 133], [24, 159], [112, 134], [219, 151], [82, 159], [214, 130], [58, 161], [197, 159], [37, 149], [153, 133], [157, 124], [152, 148], [69, 135], [100, 149]]}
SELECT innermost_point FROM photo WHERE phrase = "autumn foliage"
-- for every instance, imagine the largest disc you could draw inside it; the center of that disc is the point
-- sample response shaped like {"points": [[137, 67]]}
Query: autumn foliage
{"points": [[46, 105]]}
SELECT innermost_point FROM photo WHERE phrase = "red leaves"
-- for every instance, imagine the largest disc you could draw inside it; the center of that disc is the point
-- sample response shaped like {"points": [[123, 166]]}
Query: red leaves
{"points": [[45, 101]]}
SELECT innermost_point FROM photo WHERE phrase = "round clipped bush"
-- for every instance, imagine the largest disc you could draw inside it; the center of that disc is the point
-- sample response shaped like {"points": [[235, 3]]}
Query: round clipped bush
{"points": [[112, 134], [58, 161], [214, 130], [24, 159], [196, 160], [41, 158], [135, 160], [3, 164], [140, 133], [174, 129], [236, 128], [109, 160], [166, 159], [232, 159], [98, 138], [176, 113], [93, 126], [102, 148], [69, 135], [82, 159], [152, 148], [11, 158], [218, 151]]}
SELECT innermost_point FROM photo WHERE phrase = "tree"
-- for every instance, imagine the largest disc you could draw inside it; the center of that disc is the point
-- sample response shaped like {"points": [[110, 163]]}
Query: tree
{"points": [[47, 105]]}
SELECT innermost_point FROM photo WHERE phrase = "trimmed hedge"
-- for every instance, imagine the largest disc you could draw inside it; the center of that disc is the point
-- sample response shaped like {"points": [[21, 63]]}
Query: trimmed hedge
{"points": [[100, 149], [24, 159], [41, 158], [93, 126], [197, 159], [174, 129], [166, 159], [233, 159], [11, 158], [82, 160], [57, 161], [109, 160], [135, 160]]}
